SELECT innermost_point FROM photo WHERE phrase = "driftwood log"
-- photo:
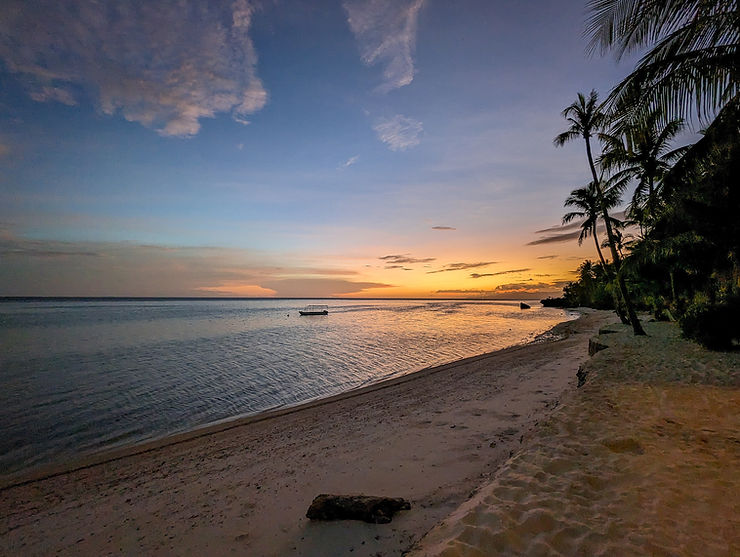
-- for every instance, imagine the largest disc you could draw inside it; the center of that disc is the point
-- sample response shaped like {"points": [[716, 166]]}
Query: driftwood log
{"points": [[376, 510]]}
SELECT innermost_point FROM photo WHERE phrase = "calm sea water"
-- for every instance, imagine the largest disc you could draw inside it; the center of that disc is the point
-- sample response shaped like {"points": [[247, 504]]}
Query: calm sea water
{"points": [[80, 376]]}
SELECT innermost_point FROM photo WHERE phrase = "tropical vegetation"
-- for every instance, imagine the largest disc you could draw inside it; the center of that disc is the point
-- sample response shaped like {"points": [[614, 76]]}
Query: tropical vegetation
{"points": [[676, 251]]}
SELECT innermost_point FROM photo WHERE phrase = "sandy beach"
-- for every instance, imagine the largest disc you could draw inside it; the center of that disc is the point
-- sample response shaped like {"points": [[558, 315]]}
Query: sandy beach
{"points": [[645, 460], [433, 437]]}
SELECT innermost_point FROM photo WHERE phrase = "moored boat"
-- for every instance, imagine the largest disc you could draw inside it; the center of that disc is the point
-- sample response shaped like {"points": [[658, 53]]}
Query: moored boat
{"points": [[315, 309]]}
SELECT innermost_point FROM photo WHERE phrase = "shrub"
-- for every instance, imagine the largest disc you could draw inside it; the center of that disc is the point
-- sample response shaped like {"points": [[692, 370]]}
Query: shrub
{"points": [[714, 325]]}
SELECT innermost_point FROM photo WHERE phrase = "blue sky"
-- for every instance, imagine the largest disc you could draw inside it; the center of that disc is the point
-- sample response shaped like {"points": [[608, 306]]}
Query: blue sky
{"points": [[289, 148]]}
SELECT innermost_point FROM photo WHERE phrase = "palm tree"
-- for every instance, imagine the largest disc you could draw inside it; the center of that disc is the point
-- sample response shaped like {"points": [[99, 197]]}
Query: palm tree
{"points": [[641, 151], [586, 201], [693, 56], [586, 118]]}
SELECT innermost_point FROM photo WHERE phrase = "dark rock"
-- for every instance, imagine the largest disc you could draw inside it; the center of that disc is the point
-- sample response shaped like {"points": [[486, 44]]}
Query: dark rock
{"points": [[522, 305], [581, 374], [595, 346], [376, 510]]}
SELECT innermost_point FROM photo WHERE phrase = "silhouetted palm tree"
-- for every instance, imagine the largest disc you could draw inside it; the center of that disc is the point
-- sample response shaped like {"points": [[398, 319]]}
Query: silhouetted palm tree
{"points": [[586, 118], [694, 54], [586, 201], [642, 151]]}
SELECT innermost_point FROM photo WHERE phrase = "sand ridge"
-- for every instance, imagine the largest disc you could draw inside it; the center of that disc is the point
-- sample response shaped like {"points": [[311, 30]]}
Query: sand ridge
{"points": [[432, 438], [644, 461]]}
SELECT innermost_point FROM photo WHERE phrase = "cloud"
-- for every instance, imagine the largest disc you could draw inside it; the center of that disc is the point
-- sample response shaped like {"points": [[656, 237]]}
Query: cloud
{"points": [[477, 275], [511, 271], [547, 257], [58, 94], [399, 133], [55, 268], [405, 258], [163, 64], [443, 228], [507, 291], [350, 161], [320, 288], [462, 266], [561, 228], [385, 31], [555, 238]]}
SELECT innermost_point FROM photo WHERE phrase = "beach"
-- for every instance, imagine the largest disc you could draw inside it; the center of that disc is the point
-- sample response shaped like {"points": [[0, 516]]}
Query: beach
{"points": [[498, 454], [645, 460], [432, 437]]}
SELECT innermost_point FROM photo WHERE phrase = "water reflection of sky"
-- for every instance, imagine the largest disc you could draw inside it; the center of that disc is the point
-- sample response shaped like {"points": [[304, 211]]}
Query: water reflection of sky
{"points": [[77, 376]]}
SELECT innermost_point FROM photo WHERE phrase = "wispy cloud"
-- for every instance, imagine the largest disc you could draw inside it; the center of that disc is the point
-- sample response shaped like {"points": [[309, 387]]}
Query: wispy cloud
{"points": [[164, 64], [399, 133], [509, 272], [350, 161], [385, 31], [58, 94], [547, 257], [443, 228], [555, 238], [561, 228], [516, 289], [405, 259], [301, 287], [461, 266]]}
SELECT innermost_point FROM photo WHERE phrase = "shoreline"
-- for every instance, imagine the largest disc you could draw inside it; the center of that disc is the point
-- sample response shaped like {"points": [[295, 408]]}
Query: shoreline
{"points": [[432, 437], [103, 456]]}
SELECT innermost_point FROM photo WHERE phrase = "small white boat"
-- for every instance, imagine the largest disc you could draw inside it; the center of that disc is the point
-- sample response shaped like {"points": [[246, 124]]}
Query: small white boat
{"points": [[314, 309]]}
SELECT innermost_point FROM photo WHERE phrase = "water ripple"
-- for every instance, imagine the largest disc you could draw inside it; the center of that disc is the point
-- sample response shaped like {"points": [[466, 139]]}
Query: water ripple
{"points": [[76, 377]]}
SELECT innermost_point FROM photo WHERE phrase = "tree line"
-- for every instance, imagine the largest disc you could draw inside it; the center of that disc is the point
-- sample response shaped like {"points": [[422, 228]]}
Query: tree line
{"points": [[675, 251]]}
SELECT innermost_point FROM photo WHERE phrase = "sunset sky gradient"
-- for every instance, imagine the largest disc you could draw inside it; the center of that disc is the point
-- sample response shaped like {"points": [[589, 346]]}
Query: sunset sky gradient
{"points": [[369, 148]]}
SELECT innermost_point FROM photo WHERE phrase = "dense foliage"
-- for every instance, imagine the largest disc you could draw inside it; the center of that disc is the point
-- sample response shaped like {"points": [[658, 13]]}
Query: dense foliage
{"points": [[678, 253]]}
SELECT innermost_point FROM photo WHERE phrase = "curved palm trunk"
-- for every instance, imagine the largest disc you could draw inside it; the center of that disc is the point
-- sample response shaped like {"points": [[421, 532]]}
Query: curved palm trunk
{"points": [[598, 249], [632, 314]]}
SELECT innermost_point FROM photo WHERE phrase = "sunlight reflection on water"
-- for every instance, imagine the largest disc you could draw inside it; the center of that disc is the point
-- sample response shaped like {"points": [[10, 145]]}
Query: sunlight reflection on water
{"points": [[77, 376]]}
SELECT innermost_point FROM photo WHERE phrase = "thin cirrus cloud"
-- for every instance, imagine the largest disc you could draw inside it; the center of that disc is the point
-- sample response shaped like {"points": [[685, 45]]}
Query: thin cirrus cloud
{"points": [[385, 31], [404, 259], [164, 64], [350, 161], [399, 133], [461, 266], [443, 228], [509, 272], [555, 238]]}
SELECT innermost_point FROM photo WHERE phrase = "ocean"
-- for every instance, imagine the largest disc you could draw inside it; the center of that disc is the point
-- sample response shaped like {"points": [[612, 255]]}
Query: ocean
{"points": [[80, 376]]}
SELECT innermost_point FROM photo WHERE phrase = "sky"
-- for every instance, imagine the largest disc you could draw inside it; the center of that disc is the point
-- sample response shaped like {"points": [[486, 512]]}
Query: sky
{"points": [[357, 148]]}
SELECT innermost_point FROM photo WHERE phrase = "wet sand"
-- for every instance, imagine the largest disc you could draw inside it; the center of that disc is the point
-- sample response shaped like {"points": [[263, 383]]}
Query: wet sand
{"points": [[645, 460], [433, 437]]}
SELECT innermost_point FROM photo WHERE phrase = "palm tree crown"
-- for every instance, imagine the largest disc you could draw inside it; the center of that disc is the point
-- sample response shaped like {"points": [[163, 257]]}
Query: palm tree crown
{"points": [[693, 60], [643, 152]]}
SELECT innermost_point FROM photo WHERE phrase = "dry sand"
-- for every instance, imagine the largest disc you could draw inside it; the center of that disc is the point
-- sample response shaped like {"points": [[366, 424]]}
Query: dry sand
{"points": [[645, 460], [432, 437]]}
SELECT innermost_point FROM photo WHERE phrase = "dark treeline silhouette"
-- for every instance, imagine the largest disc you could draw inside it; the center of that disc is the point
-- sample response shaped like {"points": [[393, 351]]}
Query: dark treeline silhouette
{"points": [[677, 252]]}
